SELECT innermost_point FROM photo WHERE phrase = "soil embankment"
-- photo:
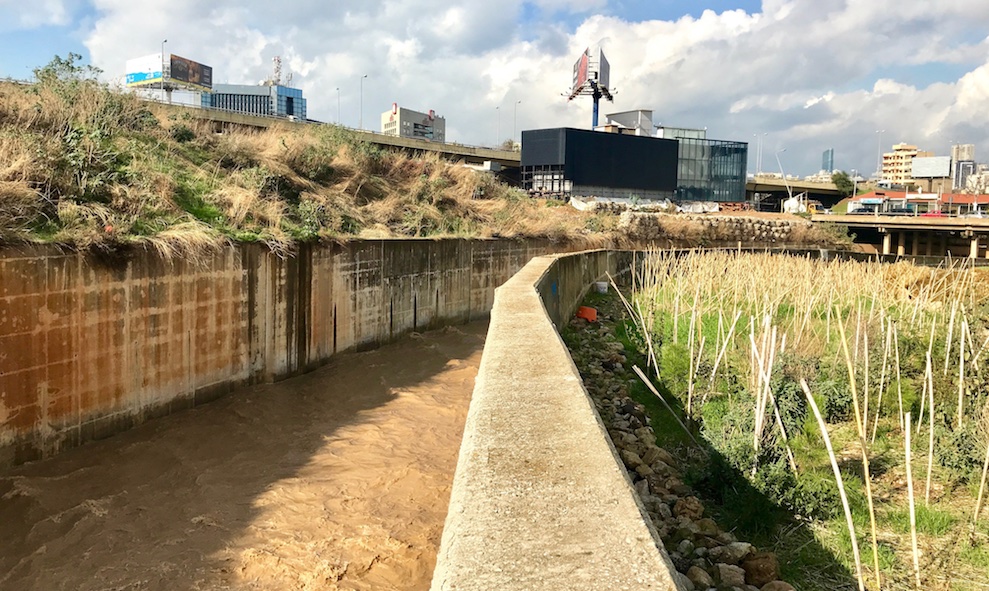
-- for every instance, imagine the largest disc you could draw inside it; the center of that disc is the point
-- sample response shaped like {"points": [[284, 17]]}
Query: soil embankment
{"points": [[338, 479]]}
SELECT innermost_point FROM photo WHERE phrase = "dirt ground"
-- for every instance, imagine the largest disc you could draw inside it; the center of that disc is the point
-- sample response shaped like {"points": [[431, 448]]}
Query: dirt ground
{"points": [[338, 479]]}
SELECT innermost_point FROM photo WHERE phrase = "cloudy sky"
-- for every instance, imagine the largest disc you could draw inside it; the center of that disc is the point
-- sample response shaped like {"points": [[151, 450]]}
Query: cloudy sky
{"points": [[804, 75]]}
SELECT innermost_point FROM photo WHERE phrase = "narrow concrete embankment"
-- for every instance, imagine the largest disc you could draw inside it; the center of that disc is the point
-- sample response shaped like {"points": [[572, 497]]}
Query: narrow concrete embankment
{"points": [[91, 347], [540, 499]]}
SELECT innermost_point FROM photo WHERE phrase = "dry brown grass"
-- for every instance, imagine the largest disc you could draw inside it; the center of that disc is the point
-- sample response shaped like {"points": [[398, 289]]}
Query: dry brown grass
{"points": [[85, 165]]}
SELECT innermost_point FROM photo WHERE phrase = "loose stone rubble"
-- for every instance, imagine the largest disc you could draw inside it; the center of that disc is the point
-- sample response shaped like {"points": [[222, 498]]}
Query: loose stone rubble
{"points": [[707, 557]]}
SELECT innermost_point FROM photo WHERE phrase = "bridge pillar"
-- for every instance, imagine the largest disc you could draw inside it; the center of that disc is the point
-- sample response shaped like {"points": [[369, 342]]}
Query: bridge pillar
{"points": [[944, 245], [973, 251], [915, 246], [887, 240], [929, 243], [901, 244]]}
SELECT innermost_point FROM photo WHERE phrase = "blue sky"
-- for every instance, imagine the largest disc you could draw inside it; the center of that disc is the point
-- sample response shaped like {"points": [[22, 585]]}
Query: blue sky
{"points": [[808, 75]]}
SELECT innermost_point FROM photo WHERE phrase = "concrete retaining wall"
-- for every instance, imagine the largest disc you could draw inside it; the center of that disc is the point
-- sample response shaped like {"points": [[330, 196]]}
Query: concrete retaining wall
{"points": [[540, 499], [91, 347]]}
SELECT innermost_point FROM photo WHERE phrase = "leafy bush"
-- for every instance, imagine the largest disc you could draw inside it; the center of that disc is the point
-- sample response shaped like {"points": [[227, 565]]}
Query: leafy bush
{"points": [[182, 134]]}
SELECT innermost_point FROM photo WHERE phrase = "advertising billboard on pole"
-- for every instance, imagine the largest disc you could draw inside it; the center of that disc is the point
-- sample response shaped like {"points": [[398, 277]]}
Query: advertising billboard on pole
{"points": [[144, 71], [580, 72], [190, 73], [604, 70], [935, 167]]}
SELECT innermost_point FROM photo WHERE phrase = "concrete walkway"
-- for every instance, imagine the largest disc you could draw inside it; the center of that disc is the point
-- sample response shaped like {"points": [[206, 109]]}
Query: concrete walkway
{"points": [[540, 501]]}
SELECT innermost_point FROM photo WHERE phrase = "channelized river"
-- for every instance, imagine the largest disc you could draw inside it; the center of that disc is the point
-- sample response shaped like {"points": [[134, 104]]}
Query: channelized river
{"points": [[338, 479]]}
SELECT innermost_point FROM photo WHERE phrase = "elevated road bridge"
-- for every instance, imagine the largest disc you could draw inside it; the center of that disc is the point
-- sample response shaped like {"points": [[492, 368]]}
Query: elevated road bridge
{"points": [[907, 235], [469, 154], [826, 193]]}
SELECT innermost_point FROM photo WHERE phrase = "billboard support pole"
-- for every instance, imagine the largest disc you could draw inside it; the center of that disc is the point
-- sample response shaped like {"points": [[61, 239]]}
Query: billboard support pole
{"points": [[596, 95]]}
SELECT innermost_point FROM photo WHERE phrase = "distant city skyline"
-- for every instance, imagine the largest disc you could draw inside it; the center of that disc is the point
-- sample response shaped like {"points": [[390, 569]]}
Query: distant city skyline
{"points": [[804, 76]]}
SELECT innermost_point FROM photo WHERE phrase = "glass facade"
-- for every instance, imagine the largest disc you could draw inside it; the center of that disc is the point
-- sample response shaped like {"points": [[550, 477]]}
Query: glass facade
{"points": [[711, 170], [280, 101]]}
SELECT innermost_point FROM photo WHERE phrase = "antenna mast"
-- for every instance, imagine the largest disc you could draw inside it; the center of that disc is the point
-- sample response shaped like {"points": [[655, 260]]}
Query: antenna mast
{"points": [[276, 77]]}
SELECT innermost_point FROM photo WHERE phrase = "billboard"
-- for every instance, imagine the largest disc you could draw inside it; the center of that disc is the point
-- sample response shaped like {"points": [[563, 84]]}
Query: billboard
{"points": [[935, 167], [144, 71], [604, 70], [591, 66], [580, 72], [190, 73]]}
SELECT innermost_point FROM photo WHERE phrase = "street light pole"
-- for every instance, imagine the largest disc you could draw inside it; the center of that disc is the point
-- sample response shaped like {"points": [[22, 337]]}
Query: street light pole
{"points": [[362, 102], [761, 144], [498, 136], [163, 42], [515, 123], [855, 182], [338, 105], [756, 171], [879, 155], [785, 182]]}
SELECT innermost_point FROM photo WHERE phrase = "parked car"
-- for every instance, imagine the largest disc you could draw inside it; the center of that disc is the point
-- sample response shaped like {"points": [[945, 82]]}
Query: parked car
{"points": [[934, 214], [900, 211], [978, 213]]}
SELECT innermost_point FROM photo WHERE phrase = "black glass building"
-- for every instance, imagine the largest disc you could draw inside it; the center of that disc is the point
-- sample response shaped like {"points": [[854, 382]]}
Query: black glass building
{"points": [[711, 170]]}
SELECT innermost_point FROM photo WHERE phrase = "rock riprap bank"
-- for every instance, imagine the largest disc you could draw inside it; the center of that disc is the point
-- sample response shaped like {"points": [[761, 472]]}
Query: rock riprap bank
{"points": [[710, 229], [707, 556]]}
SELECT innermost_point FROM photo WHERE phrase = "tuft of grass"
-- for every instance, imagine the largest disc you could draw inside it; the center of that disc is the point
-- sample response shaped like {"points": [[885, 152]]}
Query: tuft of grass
{"points": [[930, 520]]}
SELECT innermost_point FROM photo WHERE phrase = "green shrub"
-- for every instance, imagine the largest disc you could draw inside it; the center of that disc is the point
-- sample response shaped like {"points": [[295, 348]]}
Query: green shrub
{"points": [[182, 134]]}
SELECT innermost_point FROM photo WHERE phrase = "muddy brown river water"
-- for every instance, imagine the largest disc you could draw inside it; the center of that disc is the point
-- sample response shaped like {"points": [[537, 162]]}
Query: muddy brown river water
{"points": [[338, 479]]}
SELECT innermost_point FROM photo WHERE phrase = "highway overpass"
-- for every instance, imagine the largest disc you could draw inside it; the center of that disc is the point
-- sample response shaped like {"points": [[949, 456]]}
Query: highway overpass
{"points": [[469, 154], [826, 193], [918, 235]]}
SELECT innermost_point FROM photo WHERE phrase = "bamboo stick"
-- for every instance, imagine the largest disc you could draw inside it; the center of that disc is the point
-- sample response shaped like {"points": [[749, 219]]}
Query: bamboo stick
{"points": [[899, 389], [882, 379], [951, 331], [930, 449], [913, 511], [961, 374], [841, 485], [865, 383], [724, 346], [982, 490], [866, 476], [673, 413]]}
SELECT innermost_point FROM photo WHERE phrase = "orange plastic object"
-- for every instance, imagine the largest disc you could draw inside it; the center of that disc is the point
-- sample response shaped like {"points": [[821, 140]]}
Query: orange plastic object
{"points": [[587, 313]]}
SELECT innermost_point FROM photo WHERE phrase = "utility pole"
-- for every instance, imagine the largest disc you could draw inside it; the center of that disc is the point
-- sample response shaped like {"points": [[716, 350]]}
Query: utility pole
{"points": [[515, 123], [362, 102]]}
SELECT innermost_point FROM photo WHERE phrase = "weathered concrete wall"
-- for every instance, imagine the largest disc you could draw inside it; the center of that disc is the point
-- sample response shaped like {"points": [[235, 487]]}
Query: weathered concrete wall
{"points": [[540, 499], [89, 348]]}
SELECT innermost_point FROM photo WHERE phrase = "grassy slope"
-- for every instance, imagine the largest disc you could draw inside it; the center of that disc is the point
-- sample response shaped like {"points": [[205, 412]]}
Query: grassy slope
{"points": [[84, 165]]}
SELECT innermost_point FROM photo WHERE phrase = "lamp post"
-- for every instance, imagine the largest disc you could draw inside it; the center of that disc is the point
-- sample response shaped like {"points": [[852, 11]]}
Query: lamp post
{"points": [[338, 105], [879, 154], [855, 182], [498, 135], [515, 123], [756, 171], [761, 144], [163, 42], [785, 182], [361, 123]]}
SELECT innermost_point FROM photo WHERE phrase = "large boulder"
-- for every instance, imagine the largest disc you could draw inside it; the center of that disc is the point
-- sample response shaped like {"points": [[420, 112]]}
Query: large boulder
{"points": [[730, 575], [689, 507], [761, 568]]}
